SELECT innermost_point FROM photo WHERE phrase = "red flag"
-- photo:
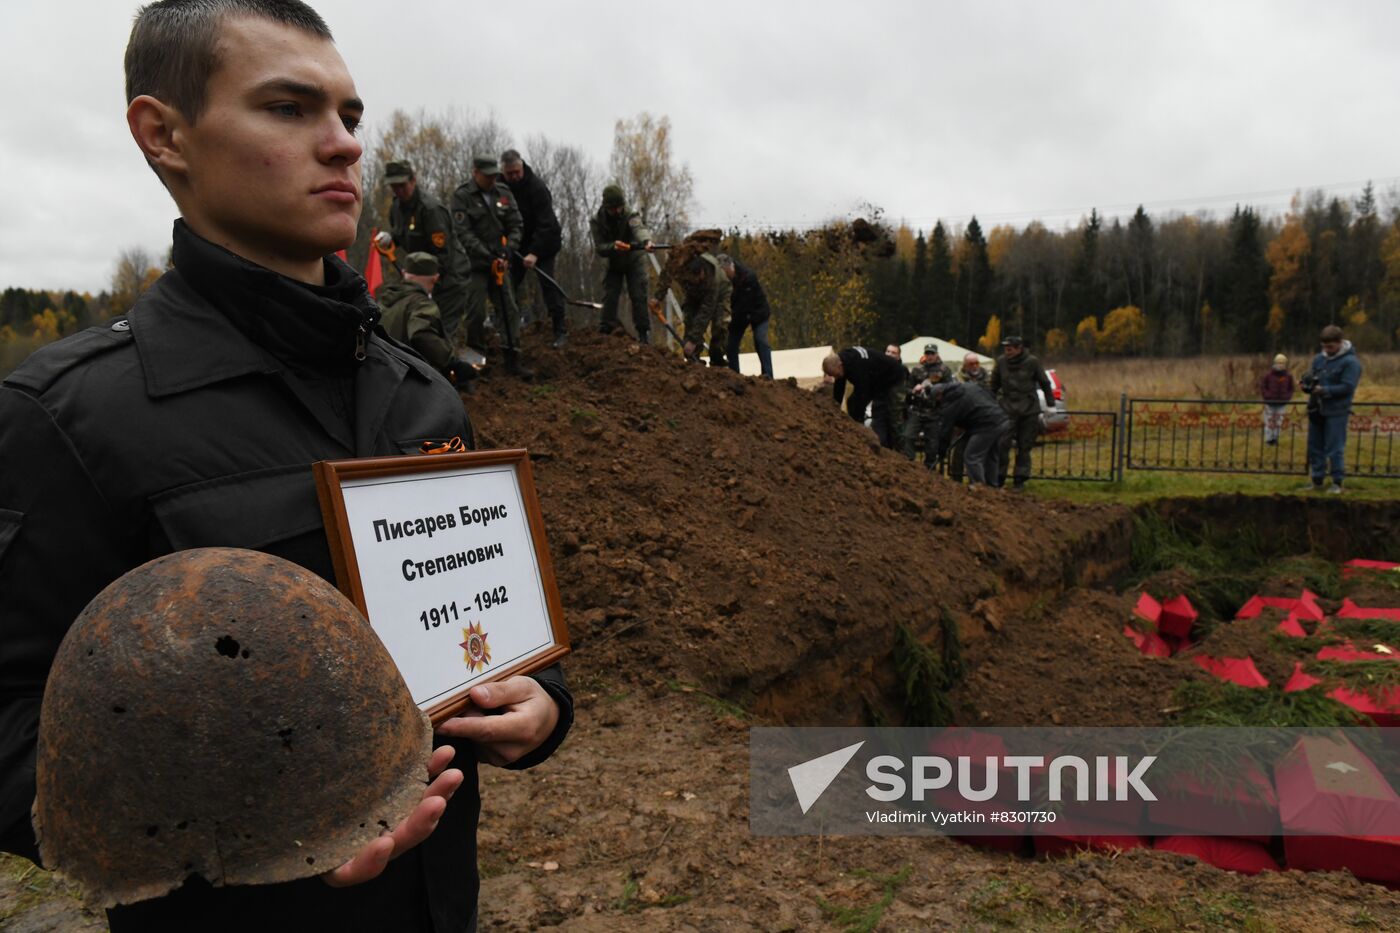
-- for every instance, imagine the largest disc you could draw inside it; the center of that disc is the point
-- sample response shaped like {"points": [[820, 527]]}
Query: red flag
{"points": [[374, 275]]}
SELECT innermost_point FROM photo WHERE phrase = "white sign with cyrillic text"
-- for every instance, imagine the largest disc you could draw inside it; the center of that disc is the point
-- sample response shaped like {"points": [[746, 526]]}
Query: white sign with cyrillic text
{"points": [[451, 582]]}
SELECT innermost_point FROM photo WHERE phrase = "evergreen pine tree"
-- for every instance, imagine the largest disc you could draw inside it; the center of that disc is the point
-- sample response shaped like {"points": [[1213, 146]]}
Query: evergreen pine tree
{"points": [[1083, 293], [974, 283], [1246, 310], [942, 287]]}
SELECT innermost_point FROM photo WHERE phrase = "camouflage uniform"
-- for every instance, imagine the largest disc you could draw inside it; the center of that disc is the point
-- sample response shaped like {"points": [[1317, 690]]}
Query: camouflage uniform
{"points": [[625, 267], [422, 224], [412, 317], [921, 429], [707, 291], [488, 226]]}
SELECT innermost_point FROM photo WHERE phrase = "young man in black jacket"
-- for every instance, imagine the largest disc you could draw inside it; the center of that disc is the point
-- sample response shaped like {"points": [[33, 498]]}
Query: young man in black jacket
{"points": [[194, 420]]}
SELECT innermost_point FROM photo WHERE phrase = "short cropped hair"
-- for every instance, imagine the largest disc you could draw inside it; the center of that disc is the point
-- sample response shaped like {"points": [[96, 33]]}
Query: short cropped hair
{"points": [[1331, 332], [173, 50], [511, 157]]}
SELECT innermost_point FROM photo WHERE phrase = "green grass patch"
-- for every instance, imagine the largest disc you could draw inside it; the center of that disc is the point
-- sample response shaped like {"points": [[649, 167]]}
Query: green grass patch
{"points": [[543, 390], [583, 414], [719, 705], [1141, 486], [1388, 579], [1216, 703], [866, 918], [1372, 677], [1020, 906], [1226, 568], [1361, 632], [1204, 910], [32, 886]]}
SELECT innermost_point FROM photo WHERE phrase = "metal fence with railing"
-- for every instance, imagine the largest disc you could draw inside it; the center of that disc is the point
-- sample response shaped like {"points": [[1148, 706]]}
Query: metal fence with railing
{"points": [[1232, 436], [1086, 450]]}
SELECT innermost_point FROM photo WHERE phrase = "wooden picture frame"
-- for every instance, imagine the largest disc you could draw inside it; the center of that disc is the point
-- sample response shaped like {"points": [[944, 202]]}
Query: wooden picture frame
{"points": [[444, 522]]}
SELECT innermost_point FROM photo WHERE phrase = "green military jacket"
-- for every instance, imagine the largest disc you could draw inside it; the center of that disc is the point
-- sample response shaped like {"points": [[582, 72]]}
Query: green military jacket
{"points": [[625, 227], [1014, 383], [481, 219], [423, 225], [412, 317]]}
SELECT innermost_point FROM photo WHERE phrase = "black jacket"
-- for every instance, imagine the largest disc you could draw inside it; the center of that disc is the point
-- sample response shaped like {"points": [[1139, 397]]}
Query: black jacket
{"points": [[871, 374], [193, 422], [748, 304], [543, 236], [969, 407]]}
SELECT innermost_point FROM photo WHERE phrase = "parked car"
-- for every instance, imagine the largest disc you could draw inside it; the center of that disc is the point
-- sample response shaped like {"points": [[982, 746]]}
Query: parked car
{"points": [[1054, 413]]}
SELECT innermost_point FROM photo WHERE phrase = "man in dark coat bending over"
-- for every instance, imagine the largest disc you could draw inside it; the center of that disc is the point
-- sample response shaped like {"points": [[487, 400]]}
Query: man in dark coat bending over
{"points": [[876, 380], [976, 412]]}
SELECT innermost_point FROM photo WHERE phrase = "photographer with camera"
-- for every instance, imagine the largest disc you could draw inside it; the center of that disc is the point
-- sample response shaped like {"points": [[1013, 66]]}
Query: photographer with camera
{"points": [[1330, 385], [921, 416]]}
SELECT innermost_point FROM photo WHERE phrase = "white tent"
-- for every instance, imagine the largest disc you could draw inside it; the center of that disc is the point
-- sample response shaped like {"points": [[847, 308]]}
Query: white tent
{"points": [[804, 364], [951, 353]]}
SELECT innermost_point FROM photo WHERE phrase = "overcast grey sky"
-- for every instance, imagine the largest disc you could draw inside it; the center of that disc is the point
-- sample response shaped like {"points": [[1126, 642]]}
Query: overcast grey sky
{"points": [[786, 112]]}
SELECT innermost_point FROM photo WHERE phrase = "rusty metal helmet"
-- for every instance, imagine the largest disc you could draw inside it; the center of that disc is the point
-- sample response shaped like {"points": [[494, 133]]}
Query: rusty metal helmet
{"points": [[223, 713]]}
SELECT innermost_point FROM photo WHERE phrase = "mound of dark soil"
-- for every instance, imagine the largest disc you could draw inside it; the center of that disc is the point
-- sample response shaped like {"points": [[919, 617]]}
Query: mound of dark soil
{"points": [[741, 534]]}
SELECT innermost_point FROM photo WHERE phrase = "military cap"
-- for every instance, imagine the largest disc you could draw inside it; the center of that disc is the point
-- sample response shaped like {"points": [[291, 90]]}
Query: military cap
{"points": [[1013, 342], [420, 264], [930, 349], [396, 173], [486, 165], [613, 197]]}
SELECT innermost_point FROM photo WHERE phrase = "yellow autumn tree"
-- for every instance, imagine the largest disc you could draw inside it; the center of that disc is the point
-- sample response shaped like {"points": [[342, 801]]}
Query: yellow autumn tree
{"points": [[643, 161], [999, 242], [1086, 336], [992, 338], [846, 304], [46, 326], [1288, 283], [904, 243], [1124, 331], [1056, 341]]}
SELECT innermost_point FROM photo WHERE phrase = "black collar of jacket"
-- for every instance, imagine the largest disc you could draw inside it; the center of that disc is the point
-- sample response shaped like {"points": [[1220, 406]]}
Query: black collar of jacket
{"points": [[216, 316]]}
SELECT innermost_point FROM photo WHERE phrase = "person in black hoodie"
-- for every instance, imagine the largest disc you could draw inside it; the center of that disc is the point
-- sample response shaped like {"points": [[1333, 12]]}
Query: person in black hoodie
{"points": [[974, 411], [748, 307], [877, 380], [193, 421], [542, 239]]}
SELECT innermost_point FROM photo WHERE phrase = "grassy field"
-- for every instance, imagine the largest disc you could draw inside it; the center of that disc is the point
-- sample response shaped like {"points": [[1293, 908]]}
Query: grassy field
{"points": [[1143, 486], [1097, 384]]}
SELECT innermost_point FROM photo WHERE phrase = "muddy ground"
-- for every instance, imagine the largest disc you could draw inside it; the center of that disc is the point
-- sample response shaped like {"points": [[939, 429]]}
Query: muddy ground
{"points": [[732, 552]]}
